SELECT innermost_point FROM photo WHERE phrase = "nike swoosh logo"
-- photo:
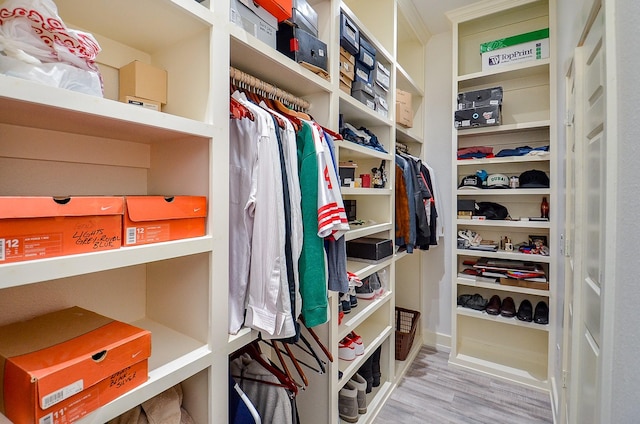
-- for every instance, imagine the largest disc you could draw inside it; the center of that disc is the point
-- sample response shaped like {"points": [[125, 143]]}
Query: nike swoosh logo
{"points": [[136, 354], [196, 209], [105, 208]]}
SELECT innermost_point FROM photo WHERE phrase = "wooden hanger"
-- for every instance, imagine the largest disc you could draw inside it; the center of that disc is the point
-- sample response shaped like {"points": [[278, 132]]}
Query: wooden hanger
{"points": [[253, 350]]}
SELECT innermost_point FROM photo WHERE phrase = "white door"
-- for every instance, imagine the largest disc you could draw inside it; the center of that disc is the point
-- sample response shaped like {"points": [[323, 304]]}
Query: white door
{"points": [[590, 227]]}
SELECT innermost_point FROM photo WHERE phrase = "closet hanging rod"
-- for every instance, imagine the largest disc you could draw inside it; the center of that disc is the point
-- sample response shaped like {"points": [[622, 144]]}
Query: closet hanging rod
{"points": [[245, 80]]}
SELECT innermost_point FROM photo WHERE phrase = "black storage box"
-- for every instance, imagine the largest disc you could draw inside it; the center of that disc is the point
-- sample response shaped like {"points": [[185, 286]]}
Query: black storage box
{"points": [[304, 17], [483, 116], [466, 205], [367, 54], [370, 248], [350, 209], [349, 35], [362, 73], [301, 46], [477, 98]]}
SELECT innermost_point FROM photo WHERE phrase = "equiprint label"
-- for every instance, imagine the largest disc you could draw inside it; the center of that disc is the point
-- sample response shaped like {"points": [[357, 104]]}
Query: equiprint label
{"points": [[62, 394]]}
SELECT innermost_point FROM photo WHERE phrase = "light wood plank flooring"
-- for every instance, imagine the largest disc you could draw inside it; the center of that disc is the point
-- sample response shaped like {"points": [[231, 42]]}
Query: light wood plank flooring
{"points": [[433, 392]]}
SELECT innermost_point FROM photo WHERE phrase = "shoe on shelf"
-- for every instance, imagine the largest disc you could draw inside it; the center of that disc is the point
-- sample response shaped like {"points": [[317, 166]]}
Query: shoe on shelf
{"points": [[375, 366], [541, 314], [508, 309], [345, 302], [356, 340], [353, 300], [525, 311], [365, 291], [348, 403], [366, 371], [494, 305], [477, 302], [346, 350], [463, 299], [361, 386]]}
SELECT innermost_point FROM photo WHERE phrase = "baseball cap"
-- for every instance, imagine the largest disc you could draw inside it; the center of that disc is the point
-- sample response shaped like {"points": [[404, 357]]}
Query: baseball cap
{"points": [[534, 178], [497, 181], [471, 182]]}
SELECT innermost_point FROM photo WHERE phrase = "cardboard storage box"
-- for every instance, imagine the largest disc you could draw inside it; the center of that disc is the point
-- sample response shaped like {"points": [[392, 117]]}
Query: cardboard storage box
{"points": [[58, 367], [255, 20], [476, 98], [362, 73], [281, 9], [305, 17], [482, 116], [347, 64], [345, 84], [520, 48], [349, 35], [370, 248], [381, 77], [404, 98], [44, 227], [363, 92], [404, 115], [139, 79], [382, 107], [153, 219], [301, 46], [145, 103]]}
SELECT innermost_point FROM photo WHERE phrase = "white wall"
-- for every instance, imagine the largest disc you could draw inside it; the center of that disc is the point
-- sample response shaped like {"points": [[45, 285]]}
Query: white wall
{"points": [[437, 302]]}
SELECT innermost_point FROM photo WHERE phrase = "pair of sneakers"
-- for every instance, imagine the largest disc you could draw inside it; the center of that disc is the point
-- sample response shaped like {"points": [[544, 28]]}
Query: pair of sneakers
{"points": [[350, 347], [352, 399], [371, 288]]}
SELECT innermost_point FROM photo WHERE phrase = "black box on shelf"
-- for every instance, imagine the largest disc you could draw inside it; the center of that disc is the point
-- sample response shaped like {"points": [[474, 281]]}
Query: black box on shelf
{"points": [[347, 174], [301, 46], [362, 73], [466, 205], [305, 17], [483, 116], [349, 35], [478, 98], [370, 248], [367, 54], [350, 209]]}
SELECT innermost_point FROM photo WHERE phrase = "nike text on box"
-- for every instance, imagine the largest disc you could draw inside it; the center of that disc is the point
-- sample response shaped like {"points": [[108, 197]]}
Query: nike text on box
{"points": [[61, 366], [43, 227], [154, 219]]}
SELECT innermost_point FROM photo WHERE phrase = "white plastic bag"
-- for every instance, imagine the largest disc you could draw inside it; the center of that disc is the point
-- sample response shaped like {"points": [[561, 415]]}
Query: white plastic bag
{"points": [[32, 33]]}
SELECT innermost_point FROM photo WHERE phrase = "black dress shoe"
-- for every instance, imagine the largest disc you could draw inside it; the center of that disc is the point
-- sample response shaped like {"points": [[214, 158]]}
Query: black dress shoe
{"points": [[463, 299], [525, 311], [508, 309], [494, 306], [477, 302], [541, 314]]}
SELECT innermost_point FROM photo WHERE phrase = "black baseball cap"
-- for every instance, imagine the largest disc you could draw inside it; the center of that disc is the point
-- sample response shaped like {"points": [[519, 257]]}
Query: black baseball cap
{"points": [[534, 178], [471, 182]]}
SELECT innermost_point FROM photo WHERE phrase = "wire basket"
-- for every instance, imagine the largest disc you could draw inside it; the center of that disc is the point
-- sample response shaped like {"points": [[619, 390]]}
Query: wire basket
{"points": [[406, 325]]}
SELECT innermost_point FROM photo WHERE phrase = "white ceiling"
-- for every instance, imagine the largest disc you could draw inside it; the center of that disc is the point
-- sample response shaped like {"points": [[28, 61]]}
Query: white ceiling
{"points": [[432, 12]]}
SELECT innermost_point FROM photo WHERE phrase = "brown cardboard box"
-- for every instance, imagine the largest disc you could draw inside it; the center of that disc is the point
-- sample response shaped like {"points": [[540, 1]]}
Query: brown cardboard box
{"points": [[404, 115], [347, 56], [404, 98], [524, 283], [140, 79], [58, 367], [144, 103], [40, 227], [153, 219], [347, 69]]}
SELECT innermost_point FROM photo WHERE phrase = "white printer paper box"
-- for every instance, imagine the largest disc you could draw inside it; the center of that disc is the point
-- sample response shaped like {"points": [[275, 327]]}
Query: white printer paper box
{"points": [[511, 50]]}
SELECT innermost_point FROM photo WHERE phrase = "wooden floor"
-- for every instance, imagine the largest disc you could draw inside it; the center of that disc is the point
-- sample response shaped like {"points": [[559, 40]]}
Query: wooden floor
{"points": [[433, 392]]}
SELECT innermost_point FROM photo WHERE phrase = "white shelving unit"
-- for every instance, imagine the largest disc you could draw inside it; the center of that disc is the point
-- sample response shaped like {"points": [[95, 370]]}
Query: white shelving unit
{"points": [[505, 347], [61, 142]]}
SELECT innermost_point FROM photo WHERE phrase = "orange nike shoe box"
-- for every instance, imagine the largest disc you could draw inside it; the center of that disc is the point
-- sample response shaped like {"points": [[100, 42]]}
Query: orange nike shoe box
{"points": [[58, 367], [153, 219], [42, 227]]}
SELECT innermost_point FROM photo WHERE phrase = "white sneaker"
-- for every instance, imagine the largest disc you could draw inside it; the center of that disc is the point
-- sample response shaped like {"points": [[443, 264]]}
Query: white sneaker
{"points": [[346, 350]]}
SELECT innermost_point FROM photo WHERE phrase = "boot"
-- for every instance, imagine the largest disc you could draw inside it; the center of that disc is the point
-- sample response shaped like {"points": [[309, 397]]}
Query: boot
{"points": [[348, 403], [361, 386], [367, 373], [375, 367]]}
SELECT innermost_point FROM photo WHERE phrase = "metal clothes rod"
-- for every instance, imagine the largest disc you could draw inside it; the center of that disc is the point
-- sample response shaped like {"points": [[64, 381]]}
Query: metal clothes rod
{"points": [[245, 81]]}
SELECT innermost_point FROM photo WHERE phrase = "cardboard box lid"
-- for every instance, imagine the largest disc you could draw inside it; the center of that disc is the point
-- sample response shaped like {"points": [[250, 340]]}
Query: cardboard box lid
{"points": [[155, 208], [43, 206], [59, 354]]}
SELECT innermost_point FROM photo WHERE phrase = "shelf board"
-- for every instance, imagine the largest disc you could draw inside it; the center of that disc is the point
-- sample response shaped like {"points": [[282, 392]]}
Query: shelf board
{"points": [[503, 223], [406, 83], [357, 151], [505, 255], [253, 56], [244, 337], [360, 313], [504, 129], [28, 272], [358, 114], [499, 318], [365, 230], [497, 286], [372, 336], [505, 192], [364, 269], [357, 191], [174, 358], [77, 113], [520, 70], [404, 135]]}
